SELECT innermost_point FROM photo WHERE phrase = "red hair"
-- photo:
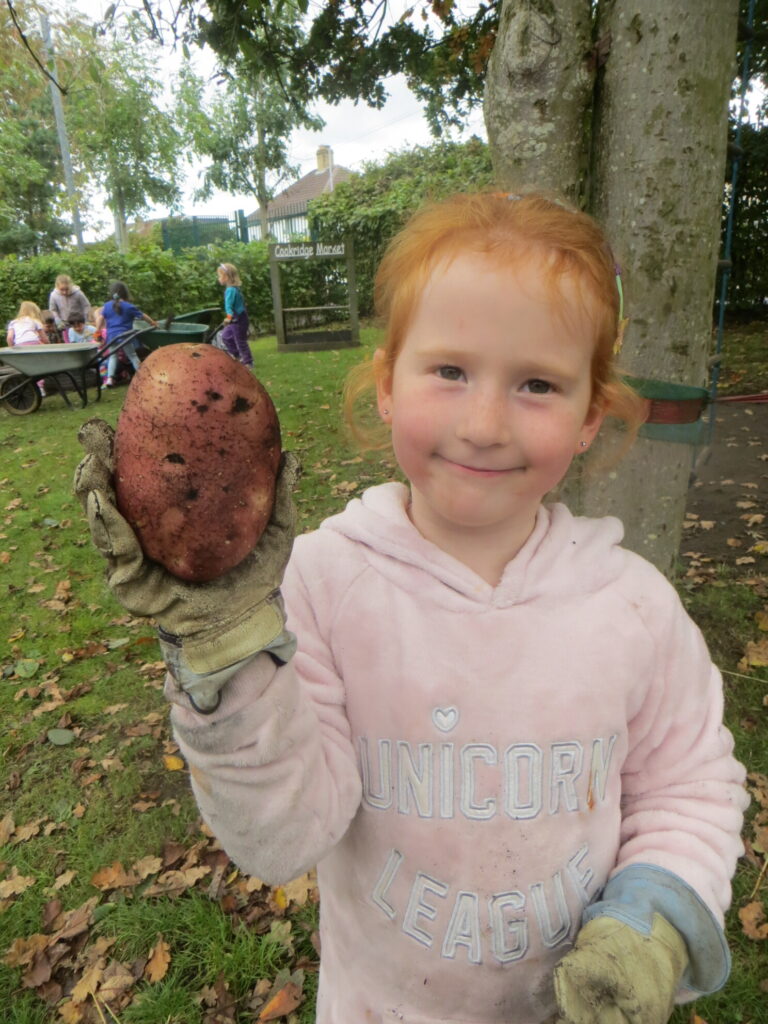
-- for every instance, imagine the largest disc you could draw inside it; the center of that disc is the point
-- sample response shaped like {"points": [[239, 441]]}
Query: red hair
{"points": [[507, 229]]}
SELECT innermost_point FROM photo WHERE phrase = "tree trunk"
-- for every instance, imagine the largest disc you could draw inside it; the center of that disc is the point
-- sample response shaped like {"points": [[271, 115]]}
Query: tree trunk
{"points": [[659, 134], [661, 131], [538, 95]]}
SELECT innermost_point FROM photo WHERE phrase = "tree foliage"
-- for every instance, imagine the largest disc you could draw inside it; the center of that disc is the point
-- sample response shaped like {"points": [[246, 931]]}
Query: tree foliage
{"points": [[244, 133], [348, 48], [372, 206], [125, 142], [31, 192]]}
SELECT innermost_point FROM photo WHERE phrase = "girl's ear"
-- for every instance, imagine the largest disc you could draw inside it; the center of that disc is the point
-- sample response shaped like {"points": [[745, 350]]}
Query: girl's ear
{"points": [[383, 385], [591, 426]]}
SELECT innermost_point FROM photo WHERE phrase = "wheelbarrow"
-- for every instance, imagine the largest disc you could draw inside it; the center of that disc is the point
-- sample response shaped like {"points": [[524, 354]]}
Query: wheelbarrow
{"points": [[73, 368]]}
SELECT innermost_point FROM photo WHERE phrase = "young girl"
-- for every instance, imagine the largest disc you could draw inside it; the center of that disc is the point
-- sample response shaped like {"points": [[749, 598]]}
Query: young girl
{"points": [[28, 329], [117, 315], [235, 334], [67, 300], [500, 738]]}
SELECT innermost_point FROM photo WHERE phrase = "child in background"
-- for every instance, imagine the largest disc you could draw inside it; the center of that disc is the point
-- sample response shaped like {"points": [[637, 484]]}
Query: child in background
{"points": [[80, 331], [65, 301], [235, 334], [27, 327], [52, 333], [117, 315], [500, 738]]}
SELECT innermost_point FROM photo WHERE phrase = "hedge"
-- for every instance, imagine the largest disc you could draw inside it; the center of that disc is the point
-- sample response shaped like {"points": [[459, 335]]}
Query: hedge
{"points": [[164, 283]]}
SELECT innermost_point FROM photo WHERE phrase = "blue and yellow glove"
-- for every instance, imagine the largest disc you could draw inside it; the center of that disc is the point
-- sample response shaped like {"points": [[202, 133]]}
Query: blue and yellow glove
{"points": [[616, 975], [647, 939]]}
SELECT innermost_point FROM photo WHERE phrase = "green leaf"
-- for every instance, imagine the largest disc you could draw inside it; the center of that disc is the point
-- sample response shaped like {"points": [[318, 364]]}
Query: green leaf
{"points": [[26, 668], [60, 737]]}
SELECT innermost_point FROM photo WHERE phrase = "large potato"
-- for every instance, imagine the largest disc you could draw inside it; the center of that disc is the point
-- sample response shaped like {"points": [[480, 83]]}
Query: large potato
{"points": [[197, 449]]}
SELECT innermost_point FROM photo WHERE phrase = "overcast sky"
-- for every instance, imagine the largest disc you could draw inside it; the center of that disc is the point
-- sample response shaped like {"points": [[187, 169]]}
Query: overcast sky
{"points": [[355, 132]]}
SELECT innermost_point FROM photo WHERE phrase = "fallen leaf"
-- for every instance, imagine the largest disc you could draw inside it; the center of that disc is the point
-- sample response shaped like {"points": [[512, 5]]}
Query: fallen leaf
{"points": [[282, 1003], [755, 655], [753, 921], [64, 879], [176, 764], [147, 866], [60, 737], [114, 877], [158, 962], [89, 981], [7, 828], [15, 884], [298, 890], [25, 832], [116, 981]]}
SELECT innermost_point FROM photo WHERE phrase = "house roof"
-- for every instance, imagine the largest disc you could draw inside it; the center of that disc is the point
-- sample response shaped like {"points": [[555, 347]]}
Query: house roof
{"points": [[294, 199]]}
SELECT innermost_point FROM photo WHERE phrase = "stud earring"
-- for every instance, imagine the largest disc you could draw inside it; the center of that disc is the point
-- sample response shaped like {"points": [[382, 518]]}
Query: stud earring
{"points": [[385, 411], [582, 444]]}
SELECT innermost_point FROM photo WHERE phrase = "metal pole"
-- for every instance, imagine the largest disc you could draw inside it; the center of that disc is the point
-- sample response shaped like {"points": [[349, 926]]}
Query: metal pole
{"points": [[58, 113]]}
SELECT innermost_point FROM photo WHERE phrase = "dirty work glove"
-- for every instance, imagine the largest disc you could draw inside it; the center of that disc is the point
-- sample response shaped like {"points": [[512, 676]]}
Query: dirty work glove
{"points": [[616, 975], [207, 631]]}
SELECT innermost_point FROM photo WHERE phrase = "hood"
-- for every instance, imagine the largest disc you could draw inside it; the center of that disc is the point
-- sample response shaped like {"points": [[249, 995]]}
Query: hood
{"points": [[565, 555]]}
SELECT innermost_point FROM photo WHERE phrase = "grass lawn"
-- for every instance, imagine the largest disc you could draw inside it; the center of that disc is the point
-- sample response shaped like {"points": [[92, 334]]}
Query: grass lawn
{"points": [[114, 904]]}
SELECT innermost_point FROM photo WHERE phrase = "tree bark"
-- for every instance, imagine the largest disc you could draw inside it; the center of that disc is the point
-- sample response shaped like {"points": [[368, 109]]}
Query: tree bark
{"points": [[657, 125], [661, 131], [538, 95]]}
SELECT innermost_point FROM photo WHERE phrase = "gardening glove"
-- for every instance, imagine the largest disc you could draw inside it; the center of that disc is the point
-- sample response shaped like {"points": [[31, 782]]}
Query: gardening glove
{"points": [[207, 631], [617, 975]]}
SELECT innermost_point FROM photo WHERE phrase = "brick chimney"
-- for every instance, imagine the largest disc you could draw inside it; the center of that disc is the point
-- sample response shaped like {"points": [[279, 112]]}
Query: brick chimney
{"points": [[324, 158]]}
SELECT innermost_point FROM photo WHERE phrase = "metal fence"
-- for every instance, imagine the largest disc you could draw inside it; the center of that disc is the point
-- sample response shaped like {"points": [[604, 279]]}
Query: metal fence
{"points": [[186, 232], [289, 222]]}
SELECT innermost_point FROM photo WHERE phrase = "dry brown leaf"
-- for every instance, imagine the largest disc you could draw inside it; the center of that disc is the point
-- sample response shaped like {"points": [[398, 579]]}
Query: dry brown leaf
{"points": [[22, 951], [115, 982], [753, 921], [158, 962], [755, 655], [113, 709], [114, 877], [7, 828], [25, 832], [298, 889], [147, 866], [15, 884], [71, 1012], [282, 1003], [761, 618], [75, 922], [63, 879], [89, 981]]}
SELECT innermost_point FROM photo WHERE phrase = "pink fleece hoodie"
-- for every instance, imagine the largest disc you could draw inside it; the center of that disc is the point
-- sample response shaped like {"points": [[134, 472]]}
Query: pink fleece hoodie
{"points": [[468, 764]]}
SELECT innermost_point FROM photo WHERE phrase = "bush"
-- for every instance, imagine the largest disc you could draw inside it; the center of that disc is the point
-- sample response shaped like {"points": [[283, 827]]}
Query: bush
{"points": [[163, 282]]}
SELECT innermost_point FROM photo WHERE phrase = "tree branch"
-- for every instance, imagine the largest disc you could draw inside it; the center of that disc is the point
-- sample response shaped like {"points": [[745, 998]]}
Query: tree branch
{"points": [[36, 59]]}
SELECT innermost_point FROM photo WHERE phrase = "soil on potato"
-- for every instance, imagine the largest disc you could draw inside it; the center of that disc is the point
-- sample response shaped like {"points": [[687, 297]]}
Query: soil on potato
{"points": [[727, 509]]}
